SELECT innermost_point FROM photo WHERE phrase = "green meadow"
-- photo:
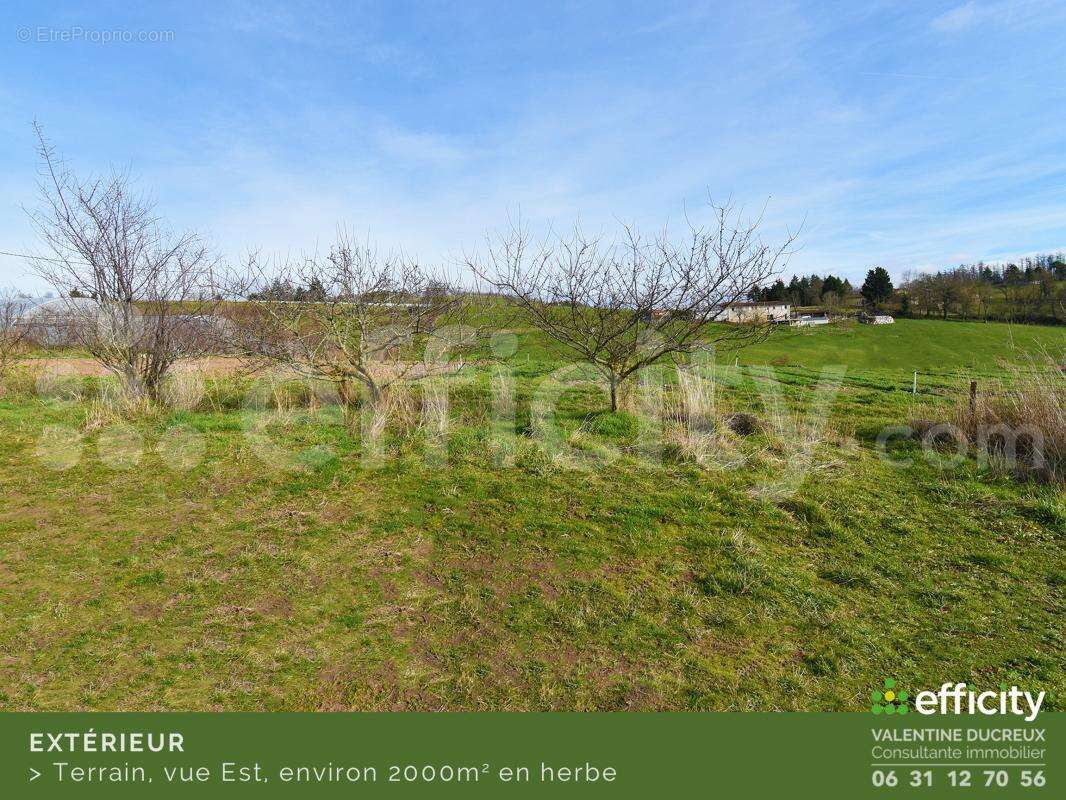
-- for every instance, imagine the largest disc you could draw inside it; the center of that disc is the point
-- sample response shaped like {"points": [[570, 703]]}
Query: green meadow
{"points": [[222, 557], [908, 345]]}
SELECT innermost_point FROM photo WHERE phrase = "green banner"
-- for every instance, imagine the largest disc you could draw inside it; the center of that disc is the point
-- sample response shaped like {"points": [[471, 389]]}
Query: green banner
{"points": [[524, 755]]}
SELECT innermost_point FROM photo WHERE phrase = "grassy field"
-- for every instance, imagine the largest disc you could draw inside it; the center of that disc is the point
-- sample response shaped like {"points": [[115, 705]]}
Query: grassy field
{"points": [[908, 345], [130, 581]]}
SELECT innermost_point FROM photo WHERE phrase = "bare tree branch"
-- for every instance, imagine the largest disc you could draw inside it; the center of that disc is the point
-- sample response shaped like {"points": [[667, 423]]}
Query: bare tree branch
{"points": [[630, 303], [154, 302], [356, 318], [13, 332]]}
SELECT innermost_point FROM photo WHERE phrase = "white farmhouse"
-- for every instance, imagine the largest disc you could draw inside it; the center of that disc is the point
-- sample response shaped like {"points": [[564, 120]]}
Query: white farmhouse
{"points": [[772, 311]]}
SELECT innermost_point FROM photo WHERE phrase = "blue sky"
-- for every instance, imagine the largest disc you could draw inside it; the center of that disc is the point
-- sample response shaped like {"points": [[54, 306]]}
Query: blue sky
{"points": [[903, 135]]}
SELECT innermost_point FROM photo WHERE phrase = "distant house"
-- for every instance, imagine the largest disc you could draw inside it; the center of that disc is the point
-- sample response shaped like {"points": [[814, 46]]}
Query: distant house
{"points": [[733, 312], [771, 311], [876, 319], [806, 320]]}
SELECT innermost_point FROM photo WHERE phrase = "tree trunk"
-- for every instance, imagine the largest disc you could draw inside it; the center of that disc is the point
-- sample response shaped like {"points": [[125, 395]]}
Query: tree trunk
{"points": [[135, 386], [349, 394], [614, 393], [375, 391], [152, 391], [349, 400], [344, 392]]}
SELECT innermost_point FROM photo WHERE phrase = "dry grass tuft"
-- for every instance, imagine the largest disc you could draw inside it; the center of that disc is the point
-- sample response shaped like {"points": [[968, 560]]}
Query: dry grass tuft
{"points": [[395, 406], [184, 389], [19, 380], [435, 405], [112, 406], [922, 425], [694, 426], [1019, 423]]}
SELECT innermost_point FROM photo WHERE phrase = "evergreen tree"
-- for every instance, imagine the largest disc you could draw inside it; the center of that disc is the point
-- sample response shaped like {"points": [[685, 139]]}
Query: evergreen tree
{"points": [[777, 292], [877, 287], [795, 289], [833, 284]]}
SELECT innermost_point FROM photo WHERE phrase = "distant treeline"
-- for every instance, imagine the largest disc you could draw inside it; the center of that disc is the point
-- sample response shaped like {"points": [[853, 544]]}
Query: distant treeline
{"points": [[1030, 290], [806, 290], [287, 290], [314, 291]]}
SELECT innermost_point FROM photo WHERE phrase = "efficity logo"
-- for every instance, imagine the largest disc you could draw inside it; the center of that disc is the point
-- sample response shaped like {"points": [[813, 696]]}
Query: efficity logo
{"points": [[957, 698], [888, 700]]}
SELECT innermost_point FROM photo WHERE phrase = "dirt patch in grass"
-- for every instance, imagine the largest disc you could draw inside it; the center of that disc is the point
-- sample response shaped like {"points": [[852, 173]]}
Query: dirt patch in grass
{"points": [[275, 605], [213, 366]]}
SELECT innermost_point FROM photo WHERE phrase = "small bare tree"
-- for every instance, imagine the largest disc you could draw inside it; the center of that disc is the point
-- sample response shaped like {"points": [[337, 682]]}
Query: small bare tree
{"points": [[134, 286], [625, 305], [12, 330], [357, 319]]}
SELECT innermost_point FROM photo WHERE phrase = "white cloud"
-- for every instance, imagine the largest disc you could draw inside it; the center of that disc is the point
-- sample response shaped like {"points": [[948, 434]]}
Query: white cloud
{"points": [[409, 146], [958, 18], [1004, 15]]}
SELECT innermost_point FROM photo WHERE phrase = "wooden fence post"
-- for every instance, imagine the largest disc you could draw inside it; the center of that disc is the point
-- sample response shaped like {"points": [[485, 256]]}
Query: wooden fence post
{"points": [[973, 399]]}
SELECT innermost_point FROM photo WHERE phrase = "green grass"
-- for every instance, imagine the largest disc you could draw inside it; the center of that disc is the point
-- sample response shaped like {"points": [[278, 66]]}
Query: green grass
{"points": [[909, 345], [638, 585]]}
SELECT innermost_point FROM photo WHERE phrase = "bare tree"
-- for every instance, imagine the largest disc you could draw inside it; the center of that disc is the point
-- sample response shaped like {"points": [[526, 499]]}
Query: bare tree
{"points": [[12, 329], [358, 319], [625, 305], [144, 284]]}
